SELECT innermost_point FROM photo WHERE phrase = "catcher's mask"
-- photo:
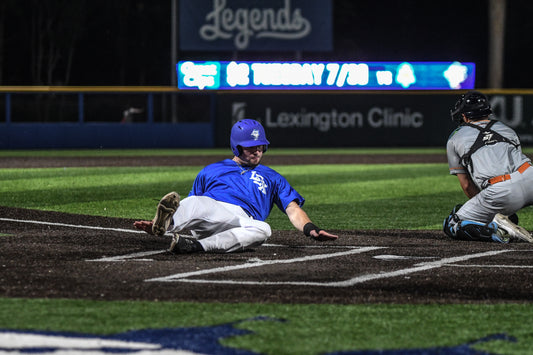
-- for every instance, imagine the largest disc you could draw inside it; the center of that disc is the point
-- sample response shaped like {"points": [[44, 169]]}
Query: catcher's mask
{"points": [[473, 105], [247, 133]]}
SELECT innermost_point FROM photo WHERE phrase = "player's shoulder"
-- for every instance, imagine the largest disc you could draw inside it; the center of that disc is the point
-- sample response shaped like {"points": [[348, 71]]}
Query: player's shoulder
{"points": [[219, 165], [500, 125], [506, 131], [265, 169], [224, 162], [455, 131], [466, 129]]}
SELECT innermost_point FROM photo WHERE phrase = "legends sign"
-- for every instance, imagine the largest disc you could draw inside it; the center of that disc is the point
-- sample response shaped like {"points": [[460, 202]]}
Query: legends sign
{"points": [[253, 25]]}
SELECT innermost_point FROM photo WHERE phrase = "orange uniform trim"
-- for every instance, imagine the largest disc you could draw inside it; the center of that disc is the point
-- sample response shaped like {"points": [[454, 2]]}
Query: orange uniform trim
{"points": [[505, 177], [524, 167]]}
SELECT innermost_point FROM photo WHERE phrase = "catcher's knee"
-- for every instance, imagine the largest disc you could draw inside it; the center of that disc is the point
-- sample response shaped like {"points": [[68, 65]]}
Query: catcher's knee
{"points": [[456, 228]]}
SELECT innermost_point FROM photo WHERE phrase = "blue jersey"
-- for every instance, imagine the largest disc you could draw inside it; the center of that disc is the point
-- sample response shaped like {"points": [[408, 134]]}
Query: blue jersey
{"points": [[256, 190]]}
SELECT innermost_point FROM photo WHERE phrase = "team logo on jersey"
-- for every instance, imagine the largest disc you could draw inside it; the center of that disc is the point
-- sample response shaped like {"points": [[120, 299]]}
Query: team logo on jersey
{"points": [[259, 181], [487, 138], [255, 134]]}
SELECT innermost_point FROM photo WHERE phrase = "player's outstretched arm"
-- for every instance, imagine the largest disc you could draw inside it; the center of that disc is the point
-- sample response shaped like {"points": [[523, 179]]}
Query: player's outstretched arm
{"points": [[301, 221]]}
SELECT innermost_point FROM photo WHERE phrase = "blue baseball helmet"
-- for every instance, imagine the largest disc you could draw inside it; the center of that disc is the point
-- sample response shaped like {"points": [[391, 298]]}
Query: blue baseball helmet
{"points": [[247, 133]]}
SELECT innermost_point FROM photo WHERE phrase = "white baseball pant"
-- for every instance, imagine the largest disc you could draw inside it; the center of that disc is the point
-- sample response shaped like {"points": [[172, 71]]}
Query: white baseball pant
{"points": [[504, 197], [219, 226]]}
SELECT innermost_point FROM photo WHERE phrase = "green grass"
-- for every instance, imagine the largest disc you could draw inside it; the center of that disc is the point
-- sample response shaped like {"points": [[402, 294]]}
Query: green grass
{"points": [[291, 329], [411, 196], [406, 196], [113, 192]]}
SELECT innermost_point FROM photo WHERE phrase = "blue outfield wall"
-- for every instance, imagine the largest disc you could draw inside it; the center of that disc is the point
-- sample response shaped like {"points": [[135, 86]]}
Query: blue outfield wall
{"points": [[291, 119], [105, 135]]}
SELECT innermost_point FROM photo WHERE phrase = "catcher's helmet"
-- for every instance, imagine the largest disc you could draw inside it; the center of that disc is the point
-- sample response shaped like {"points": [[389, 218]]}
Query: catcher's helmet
{"points": [[247, 133], [473, 105]]}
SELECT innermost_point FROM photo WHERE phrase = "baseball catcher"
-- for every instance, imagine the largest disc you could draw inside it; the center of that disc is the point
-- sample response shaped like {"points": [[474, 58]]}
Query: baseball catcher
{"points": [[230, 201], [495, 175]]}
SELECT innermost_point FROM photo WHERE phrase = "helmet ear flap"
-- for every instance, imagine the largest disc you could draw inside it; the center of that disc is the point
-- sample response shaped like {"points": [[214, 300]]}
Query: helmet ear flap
{"points": [[237, 150]]}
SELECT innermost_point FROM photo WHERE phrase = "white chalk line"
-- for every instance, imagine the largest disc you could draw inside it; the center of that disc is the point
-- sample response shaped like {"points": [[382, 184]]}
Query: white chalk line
{"points": [[72, 225], [494, 266], [346, 283], [140, 254], [130, 256], [258, 263], [135, 256]]}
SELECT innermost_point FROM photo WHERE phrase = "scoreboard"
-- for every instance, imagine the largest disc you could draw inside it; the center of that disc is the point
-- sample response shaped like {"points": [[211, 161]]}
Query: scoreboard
{"points": [[256, 75]]}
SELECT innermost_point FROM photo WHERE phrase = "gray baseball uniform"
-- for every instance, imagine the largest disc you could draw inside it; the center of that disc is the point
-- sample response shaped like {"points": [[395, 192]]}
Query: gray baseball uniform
{"points": [[500, 170]]}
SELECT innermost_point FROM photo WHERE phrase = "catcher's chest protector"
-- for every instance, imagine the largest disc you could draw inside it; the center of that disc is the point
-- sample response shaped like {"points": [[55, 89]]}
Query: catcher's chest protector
{"points": [[485, 137]]}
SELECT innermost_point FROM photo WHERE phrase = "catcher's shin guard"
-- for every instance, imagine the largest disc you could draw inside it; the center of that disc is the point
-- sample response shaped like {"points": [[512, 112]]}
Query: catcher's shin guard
{"points": [[450, 222], [471, 230], [455, 228]]}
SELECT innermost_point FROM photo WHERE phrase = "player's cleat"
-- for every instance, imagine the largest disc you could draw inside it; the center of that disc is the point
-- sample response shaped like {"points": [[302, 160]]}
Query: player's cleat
{"points": [[182, 245], [515, 231], [166, 208], [492, 228], [501, 236]]}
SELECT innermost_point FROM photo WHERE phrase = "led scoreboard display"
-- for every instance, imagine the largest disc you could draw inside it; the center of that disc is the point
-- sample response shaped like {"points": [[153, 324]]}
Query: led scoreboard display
{"points": [[215, 75]]}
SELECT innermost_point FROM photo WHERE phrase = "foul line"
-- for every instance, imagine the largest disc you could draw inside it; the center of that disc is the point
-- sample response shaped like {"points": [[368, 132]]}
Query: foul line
{"points": [[140, 254], [350, 282], [356, 280], [495, 266], [134, 256], [258, 263], [72, 225], [130, 256]]}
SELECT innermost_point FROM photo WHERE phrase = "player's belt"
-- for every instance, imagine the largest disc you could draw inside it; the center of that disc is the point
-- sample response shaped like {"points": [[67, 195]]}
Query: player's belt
{"points": [[505, 177]]}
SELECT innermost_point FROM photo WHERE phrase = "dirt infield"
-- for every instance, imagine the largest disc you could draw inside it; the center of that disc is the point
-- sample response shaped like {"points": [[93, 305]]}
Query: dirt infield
{"points": [[49, 254]]}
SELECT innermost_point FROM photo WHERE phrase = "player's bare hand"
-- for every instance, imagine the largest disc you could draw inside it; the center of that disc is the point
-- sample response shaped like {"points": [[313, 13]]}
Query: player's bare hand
{"points": [[144, 226], [322, 235]]}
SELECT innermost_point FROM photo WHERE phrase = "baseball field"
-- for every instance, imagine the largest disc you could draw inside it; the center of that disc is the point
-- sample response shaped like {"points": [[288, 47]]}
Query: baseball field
{"points": [[76, 278]]}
